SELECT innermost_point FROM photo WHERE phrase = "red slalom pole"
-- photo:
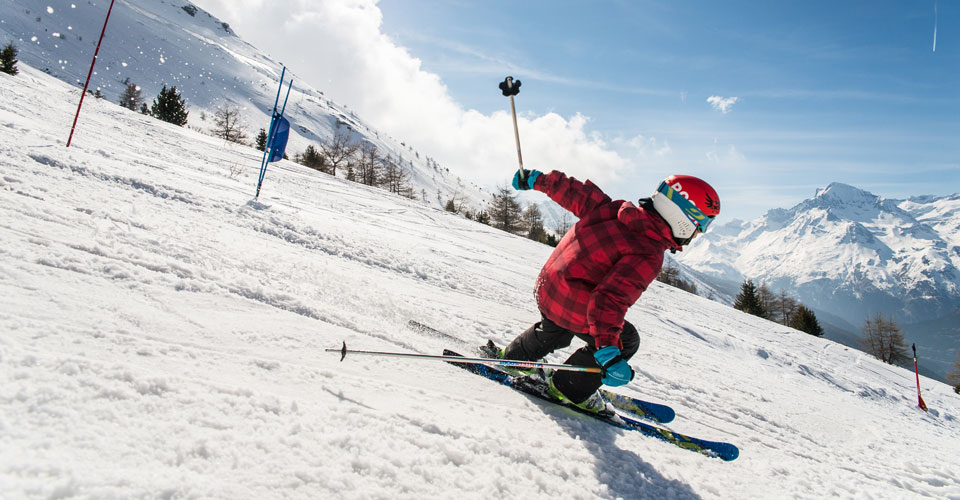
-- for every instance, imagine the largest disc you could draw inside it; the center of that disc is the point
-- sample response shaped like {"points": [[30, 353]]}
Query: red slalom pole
{"points": [[921, 404], [92, 63]]}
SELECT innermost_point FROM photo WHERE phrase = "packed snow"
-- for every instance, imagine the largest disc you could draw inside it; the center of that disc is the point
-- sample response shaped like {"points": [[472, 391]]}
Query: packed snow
{"points": [[164, 335]]}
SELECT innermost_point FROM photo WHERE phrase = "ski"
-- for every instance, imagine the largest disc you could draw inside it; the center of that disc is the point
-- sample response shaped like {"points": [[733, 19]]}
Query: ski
{"points": [[723, 451], [656, 412]]}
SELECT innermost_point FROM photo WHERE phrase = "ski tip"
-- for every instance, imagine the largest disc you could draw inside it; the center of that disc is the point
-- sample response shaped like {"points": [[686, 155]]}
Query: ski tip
{"points": [[343, 352], [727, 452]]}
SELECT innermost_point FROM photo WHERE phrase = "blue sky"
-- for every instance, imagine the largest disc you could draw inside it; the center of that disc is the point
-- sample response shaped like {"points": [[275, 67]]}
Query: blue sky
{"points": [[766, 100]]}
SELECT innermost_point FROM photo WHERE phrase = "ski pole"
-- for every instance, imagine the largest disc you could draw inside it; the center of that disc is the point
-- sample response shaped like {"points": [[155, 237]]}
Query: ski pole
{"points": [[90, 73], [921, 404], [510, 88], [459, 359]]}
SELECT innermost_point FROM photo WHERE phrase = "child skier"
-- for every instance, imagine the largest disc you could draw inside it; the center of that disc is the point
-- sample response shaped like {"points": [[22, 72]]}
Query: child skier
{"points": [[598, 270]]}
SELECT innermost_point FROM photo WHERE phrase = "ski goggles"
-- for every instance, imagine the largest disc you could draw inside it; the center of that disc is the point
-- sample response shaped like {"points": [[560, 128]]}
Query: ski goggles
{"points": [[698, 218]]}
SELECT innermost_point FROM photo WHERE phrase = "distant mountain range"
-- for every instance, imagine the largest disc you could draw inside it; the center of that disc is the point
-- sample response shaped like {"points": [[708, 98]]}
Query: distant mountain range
{"points": [[178, 44], [849, 254]]}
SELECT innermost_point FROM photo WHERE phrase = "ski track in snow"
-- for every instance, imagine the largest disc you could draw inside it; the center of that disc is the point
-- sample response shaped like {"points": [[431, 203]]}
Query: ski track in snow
{"points": [[164, 335]]}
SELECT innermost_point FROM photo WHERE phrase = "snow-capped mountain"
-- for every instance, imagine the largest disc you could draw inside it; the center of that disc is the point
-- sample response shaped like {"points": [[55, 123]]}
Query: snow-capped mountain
{"points": [[164, 335], [849, 254], [173, 42]]}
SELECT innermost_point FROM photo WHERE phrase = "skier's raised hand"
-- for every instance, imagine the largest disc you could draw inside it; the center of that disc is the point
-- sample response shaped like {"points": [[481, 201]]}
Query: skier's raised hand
{"points": [[524, 179]]}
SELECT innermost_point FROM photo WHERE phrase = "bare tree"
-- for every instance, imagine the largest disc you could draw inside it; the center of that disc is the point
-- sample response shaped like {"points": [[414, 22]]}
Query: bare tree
{"points": [[564, 223], [883, 339], [369, 165], [783, 307], [954, 376], [395, 179], [532, 221], [766, 298], [339, 150], [228, 124]]}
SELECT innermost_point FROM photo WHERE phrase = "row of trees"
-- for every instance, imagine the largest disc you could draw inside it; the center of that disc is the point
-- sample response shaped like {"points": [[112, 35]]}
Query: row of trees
{"points": [[505, 213], [780, 307], [670, 275], [361, 162], [882, 336], [883, 339], [168, 106]]}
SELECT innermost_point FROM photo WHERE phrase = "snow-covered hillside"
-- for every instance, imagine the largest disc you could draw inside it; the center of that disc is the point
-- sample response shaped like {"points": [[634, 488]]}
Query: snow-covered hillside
{"points": [[163, 335], [849, 254], [175, 43]]}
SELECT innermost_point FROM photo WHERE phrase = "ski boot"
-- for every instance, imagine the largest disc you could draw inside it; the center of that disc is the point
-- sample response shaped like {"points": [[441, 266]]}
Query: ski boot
{"points": [[490, 350], [593, 404]]}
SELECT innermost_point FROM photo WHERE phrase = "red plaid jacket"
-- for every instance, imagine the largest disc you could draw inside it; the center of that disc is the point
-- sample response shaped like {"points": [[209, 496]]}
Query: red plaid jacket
{"points": [[603, 263]]}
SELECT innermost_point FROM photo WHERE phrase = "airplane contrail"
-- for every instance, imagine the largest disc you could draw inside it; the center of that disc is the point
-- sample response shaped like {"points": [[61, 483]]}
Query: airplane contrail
{"points": [[935, 19]]}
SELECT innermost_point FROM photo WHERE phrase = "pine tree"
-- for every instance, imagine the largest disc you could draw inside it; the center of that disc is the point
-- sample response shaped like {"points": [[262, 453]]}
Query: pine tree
{"points": [[169, 107], [884, 340], [131, 98], [262, 140], [748, 301], [482, 216], [312, 158], [8, 60], [505, 212], [805, 320]]}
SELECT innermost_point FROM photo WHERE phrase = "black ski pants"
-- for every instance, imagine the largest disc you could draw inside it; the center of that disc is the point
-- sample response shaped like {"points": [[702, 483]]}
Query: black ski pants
{"points": [[546, 336]]}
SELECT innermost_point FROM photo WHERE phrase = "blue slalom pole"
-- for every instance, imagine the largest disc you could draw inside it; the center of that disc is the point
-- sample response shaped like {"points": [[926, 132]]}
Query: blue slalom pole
{"points": [[274, 126], [273, 115]]}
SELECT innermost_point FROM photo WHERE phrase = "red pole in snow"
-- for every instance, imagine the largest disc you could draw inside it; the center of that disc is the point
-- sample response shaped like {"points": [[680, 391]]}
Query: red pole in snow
{"points": [[921, 404], [89, 73]]}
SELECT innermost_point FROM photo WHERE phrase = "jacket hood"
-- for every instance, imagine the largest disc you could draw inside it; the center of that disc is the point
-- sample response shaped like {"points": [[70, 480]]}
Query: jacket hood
{"points": [[645, 219]]}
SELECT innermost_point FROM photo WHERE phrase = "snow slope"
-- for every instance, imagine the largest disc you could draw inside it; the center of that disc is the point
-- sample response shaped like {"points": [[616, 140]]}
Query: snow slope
{"points": [[163, 335], [175, 43]]}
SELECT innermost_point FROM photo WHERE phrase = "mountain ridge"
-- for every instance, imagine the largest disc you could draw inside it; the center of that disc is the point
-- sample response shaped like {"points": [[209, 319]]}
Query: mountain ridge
{"points": [[850, 254]]}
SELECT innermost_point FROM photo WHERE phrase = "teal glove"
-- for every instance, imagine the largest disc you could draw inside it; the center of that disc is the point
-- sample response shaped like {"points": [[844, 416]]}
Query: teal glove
{"points": [[616, 371], [529, 177]]}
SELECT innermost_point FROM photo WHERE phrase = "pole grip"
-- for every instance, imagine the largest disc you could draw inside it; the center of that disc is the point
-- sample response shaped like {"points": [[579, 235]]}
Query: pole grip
{"points": [[510, 88]]}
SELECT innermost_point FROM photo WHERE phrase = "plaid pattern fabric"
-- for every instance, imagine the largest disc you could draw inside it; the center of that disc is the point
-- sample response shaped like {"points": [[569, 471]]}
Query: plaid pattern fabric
{"points": [[603, 263]]}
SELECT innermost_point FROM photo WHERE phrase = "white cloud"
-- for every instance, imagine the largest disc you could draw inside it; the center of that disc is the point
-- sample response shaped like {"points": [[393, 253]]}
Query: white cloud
{"points": [[650, 147], [338, 47], [722, 104], [729, 156]]}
